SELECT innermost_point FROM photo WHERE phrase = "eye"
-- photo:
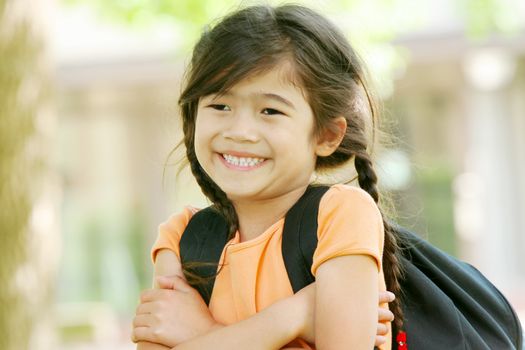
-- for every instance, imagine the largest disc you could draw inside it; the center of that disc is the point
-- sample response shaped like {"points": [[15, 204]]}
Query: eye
{"points": [[219, 107], [271, 111]]}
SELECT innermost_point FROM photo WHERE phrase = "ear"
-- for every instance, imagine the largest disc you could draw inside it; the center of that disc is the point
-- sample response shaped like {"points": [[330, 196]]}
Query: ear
{"points": [[331, 137]]}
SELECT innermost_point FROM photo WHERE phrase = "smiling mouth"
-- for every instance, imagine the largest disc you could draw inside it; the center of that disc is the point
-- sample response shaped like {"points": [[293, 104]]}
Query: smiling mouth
{"points": [[244, 162]]}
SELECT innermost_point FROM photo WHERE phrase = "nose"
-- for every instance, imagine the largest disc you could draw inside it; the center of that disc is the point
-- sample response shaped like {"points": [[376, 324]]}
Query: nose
{"points": [[242, 127]]}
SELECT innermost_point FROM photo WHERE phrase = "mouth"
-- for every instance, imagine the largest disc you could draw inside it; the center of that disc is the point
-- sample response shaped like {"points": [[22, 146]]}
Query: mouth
{"points": [[239, 162]]}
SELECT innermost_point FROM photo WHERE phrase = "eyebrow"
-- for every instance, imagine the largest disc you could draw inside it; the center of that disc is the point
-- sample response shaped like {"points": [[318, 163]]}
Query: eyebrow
{"points": [[278, 98], [268, 95]]}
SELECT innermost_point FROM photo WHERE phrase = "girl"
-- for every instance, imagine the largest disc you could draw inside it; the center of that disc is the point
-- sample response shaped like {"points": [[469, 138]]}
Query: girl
{"points": [[274, 96]]}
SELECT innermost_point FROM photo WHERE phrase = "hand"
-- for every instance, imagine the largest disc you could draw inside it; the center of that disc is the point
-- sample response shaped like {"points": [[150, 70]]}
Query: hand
{"points": [[384, 316], [171, 315]]}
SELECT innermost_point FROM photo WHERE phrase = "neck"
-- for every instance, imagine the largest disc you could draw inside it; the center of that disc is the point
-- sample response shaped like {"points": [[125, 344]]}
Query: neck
{"points": [[257, 217]]}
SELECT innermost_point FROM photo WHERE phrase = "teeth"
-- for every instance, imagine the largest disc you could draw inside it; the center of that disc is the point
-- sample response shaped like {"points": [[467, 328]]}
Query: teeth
{"points": [[242, 161]]}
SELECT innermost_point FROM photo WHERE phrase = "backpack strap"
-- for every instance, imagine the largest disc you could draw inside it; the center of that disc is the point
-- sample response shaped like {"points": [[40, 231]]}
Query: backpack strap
{"points": [[206, 236], [300, 237], [202, 243]]}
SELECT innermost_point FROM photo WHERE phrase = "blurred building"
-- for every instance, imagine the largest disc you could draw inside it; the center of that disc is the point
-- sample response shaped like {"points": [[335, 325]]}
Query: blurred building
{"points": [[461, 109], [116, 101]]}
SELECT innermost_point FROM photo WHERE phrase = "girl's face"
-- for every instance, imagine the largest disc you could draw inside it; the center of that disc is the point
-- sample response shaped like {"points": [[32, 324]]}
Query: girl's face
{"points": [[256, 141]]}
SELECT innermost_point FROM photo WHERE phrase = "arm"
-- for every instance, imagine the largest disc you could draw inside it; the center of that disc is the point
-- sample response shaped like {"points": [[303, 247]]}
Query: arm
{"points": [[282, 320], [348, 304], [166, 264], [301, 314], [271, 328], [277, 325]]}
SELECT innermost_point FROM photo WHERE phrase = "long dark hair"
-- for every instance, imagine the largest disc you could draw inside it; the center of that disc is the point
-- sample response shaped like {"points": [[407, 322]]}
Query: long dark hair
{"points": [[254, 39]]}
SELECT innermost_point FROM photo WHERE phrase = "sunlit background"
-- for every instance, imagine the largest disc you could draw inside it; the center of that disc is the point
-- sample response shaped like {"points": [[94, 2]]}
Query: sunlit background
{"points": [[88, 95]]}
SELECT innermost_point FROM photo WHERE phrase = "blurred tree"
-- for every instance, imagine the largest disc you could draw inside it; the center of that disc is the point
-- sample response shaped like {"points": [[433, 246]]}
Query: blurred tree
{"points": [[22, 86], [481, 17]]}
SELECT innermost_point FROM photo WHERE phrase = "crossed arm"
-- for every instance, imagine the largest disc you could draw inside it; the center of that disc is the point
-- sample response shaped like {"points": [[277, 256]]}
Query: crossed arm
{"points": [[176, 317]]}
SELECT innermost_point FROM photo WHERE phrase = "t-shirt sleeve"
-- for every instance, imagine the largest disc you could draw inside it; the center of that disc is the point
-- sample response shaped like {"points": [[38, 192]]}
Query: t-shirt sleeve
{"points": [[349, 223], [171, 231]]}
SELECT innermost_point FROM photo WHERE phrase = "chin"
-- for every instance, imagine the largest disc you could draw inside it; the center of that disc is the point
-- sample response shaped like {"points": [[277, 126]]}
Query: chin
{"points": [[239, 195], [234, 192]]}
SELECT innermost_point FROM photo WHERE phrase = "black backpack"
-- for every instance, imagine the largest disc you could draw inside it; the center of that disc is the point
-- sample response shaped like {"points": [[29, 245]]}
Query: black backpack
{"points": [[447, 304]]}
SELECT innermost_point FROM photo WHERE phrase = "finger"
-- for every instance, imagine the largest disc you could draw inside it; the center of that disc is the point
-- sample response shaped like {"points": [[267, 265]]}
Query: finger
{"points": [[380, 340], [132, 337], [384, 315], [148, 295], [142, 334], [382, 329], [151, 295], [180, 284], [146, 320], [145, 308], [164, 282], [386, 297]]}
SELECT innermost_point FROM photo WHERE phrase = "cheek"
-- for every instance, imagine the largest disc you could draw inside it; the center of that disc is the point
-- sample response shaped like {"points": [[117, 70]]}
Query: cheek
{"points": [[198, 142], [203, 138]]}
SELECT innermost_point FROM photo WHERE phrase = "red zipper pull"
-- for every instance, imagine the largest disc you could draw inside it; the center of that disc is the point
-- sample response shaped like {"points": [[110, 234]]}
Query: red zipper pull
{"points": [[401, 341]]}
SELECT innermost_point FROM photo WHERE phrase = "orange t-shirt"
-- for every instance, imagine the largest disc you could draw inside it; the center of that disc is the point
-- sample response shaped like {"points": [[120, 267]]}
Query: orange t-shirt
{"points": [[254, 276]]}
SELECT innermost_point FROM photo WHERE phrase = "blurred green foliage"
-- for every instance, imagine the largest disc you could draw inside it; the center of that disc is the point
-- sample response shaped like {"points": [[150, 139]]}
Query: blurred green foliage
{"points": [[486, 17], [135, 243], [76, 333], [371, 25], [481, 17], [190, 16], [435, 187]]}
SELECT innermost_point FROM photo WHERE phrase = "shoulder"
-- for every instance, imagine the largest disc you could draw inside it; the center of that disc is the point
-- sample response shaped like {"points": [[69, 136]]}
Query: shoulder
{"points": [[177, 222], [349, 199], [340, 190], [171, 230], [349, 223]]}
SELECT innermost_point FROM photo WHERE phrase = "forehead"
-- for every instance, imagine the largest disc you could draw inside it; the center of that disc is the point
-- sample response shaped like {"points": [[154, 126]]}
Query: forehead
{"points": [[278, 79]]}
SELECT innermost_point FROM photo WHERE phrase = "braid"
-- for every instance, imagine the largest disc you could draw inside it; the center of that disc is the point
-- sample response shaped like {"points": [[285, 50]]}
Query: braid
{"points": [[366, 175], [219, 199], [391, 266]]}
